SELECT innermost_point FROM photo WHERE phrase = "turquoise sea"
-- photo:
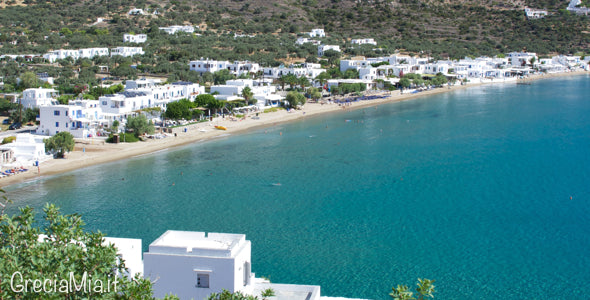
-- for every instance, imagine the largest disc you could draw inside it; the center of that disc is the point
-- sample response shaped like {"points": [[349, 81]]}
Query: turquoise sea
{"points": [[486, 190]]}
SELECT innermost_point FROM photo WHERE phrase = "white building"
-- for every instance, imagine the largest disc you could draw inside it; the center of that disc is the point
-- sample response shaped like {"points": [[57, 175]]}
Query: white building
{"points": [[52, 56], [136, 11], [38, 97], [237, 67], [127, 51], [134, 38], [92, 52], [521, 58], [192, 265], [308, 70], [81, 118], [26, 150], [304, 40], [145, 93], [205, 65], [317, 32], [367, 41], [534, 13], [323, 48], [177, 28], [436, 68]]}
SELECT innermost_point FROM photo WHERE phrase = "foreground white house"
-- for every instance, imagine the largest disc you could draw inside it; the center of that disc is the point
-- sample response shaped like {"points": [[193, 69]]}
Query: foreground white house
{"points": [[192, 265]]}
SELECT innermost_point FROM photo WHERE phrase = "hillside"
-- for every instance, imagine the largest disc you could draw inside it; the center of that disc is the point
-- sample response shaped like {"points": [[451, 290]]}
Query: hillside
{"points": [[441, 28]]}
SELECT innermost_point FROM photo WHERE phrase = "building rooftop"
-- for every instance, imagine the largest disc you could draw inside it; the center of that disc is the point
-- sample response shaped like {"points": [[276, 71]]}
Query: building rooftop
{"points": [[198, 243]]}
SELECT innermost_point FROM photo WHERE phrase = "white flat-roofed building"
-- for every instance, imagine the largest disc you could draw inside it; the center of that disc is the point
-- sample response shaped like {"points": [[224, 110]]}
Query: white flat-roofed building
{"points": [[127, 51], [436, 68], [304, 40], [130, 251], [52, 56], [81, 118], [205, 65], [38, 97], [243, 67], [134, 38], [534, 13], [192, 265], [367, 41], [323, 48], [519, 59], [308, 70], [177, 28], [25, 150], [317, 32], [354, 64], [142, 83], [92, 52]]}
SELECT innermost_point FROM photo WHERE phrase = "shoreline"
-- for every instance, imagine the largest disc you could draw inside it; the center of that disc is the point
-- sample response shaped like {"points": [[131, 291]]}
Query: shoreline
{"points": [[90, 152]]}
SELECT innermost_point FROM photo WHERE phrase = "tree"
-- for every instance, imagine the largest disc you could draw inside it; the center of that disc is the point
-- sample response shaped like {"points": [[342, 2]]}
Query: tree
{"points": [[295, 99], [29, 80], [247, 93], [179, 109], [140, 125], [203, 100], [425, 290], [115, 126], [60, 143], [65, 250], [404, 82]]}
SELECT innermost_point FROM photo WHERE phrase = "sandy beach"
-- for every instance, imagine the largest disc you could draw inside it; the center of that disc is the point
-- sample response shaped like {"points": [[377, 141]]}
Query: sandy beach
{"points": [[90, 152]]}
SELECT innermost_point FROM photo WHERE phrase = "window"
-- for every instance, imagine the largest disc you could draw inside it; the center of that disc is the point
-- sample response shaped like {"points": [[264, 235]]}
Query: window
{"points": [[56, 124], [66, 113], [203, 280], [56, 112], [66, 125]]}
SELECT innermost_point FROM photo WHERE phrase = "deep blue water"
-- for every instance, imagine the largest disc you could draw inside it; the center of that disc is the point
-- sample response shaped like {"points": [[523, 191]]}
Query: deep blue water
{"points": [[470, 188]]}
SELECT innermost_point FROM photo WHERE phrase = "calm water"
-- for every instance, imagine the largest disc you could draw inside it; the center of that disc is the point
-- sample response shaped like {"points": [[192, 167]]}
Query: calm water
{"points": [[471, 188]]}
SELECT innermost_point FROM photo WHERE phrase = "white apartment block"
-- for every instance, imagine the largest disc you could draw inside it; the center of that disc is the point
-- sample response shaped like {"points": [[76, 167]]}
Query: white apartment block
{"points": [[317, 32], [237, 68], [367, 41], [80, 118], [436, 68], [134, 38], [355, 64], [52, 56], [323, 48], [308, 70], [147, 94], [519, 59], [38, 97], [177, 28], [127, 51]]}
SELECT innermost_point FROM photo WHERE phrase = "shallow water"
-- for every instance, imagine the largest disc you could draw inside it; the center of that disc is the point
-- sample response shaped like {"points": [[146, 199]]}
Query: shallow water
{"points": [[471, 188]]}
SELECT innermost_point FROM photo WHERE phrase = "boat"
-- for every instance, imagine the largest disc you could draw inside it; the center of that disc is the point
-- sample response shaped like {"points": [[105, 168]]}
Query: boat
{"points": [[220, 127]]}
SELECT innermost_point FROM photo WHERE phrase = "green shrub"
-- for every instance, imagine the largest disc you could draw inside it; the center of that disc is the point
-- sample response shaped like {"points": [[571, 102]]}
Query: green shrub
{"points": [[8, 139], [123, 138]]}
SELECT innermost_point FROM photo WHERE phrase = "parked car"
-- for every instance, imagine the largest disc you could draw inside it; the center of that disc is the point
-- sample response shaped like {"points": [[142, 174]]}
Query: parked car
{"points": [[14, 126], [6, 122]]}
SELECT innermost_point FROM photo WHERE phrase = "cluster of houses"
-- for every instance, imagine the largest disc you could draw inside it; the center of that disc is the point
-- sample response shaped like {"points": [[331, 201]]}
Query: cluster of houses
{"points": [[76, 54], [84, 118]]}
